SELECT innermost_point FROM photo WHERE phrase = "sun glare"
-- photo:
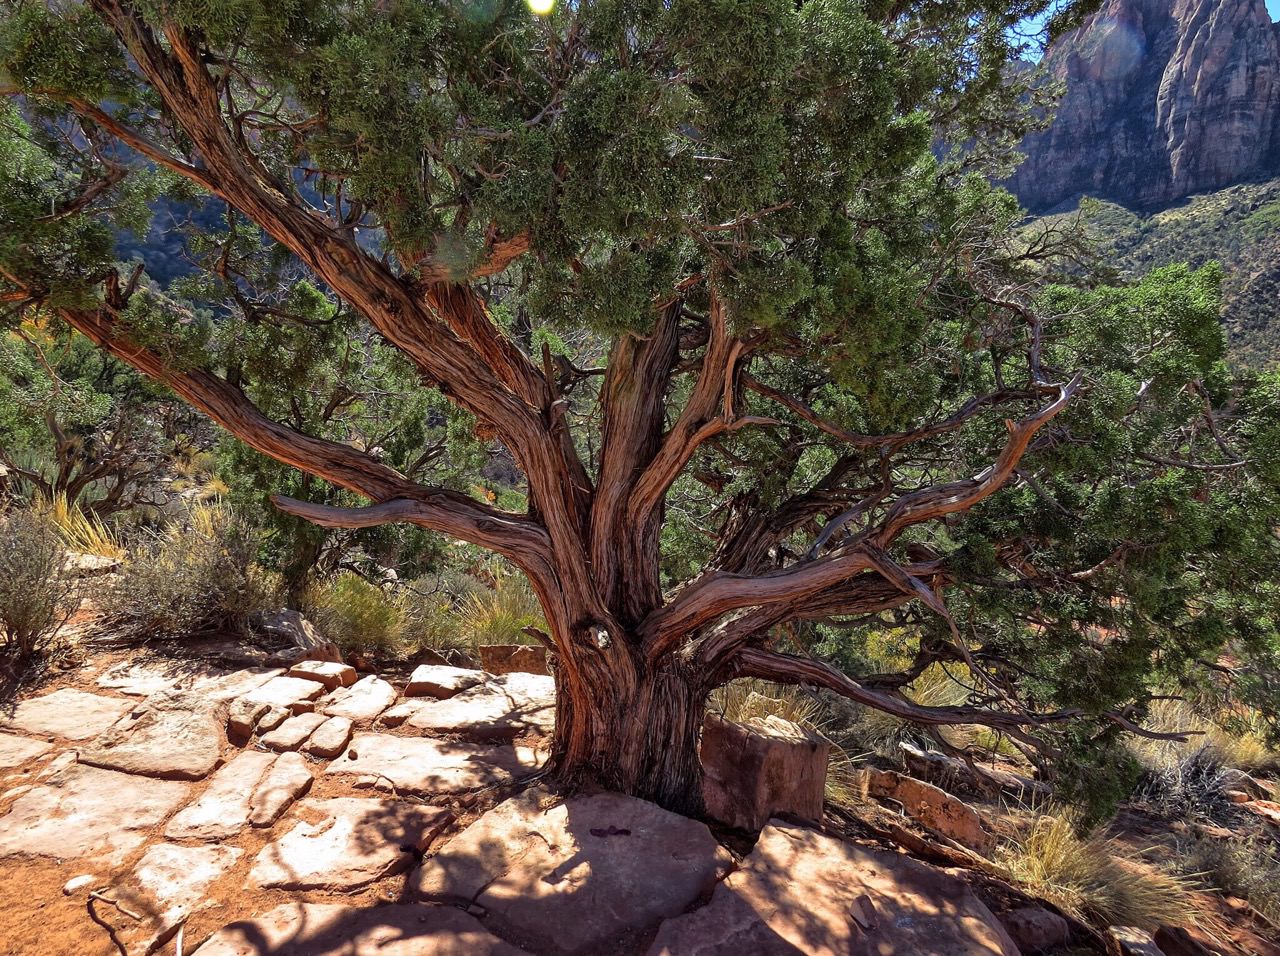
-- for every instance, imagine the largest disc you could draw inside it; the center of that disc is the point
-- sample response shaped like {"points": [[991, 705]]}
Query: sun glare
{"points": [[541, 7]]}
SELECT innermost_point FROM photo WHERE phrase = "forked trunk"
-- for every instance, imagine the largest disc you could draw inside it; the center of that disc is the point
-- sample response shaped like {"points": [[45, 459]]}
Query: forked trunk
{"points": [[629, 729]]}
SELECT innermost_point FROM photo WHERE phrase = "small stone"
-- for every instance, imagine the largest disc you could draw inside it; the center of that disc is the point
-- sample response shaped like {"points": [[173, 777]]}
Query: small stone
{"points": [[401, 712], [244, 716], [355, 842], [1135, 942], [20, 751], [328, 929], [77, 883], [328, 673], [1237, 796], [293, 732], [176, 735], [514, 659], [68, 713], [330, 738], [272, 718], [362, 702], [288, 779], [441, 682]]}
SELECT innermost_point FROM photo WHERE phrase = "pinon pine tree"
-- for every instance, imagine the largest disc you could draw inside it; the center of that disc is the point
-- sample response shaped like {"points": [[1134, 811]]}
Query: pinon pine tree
{"points": [[725, 279]]}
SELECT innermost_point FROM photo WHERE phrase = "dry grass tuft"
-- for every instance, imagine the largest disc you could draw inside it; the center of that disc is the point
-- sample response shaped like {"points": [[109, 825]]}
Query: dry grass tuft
{"points": [[81, 532], [1093, 877]]}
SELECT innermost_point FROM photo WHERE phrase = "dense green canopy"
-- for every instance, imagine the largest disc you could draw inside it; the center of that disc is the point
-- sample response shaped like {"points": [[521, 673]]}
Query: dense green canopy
{"points": [[729, 282]]}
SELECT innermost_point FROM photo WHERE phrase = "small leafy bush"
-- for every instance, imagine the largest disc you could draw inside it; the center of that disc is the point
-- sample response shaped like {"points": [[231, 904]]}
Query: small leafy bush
{"points": [[36, 598], [196, 577]]}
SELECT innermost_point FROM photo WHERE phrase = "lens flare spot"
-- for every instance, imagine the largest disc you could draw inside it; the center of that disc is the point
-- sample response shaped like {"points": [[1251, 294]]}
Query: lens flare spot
{"points": [[541, 7]]}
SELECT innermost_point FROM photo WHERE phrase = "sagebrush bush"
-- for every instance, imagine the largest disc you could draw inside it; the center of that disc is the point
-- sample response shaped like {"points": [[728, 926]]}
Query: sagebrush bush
{"points": [[1092, 876], [36, 597], [196, 577]]}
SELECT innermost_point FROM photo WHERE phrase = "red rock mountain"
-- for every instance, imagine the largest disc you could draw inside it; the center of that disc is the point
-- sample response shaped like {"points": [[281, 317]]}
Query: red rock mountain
{"points": [[1165, 98]]}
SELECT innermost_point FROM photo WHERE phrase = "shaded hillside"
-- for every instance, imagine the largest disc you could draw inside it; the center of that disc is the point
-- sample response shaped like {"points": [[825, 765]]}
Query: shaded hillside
{"points": [[1238, 227]]}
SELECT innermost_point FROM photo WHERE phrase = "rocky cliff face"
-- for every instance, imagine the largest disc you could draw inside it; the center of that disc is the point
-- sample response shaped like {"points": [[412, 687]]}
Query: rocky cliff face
{"points": [[1165, 98]]}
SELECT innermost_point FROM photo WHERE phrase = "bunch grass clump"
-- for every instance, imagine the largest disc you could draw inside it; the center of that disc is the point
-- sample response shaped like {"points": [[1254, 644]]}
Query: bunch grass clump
{"points": [[82, 531], [357, 615], [1249, 869], [1092, 876]]}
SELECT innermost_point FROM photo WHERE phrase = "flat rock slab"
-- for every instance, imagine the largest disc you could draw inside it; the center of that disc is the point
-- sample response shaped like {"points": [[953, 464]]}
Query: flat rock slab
{"points": [[325, 929], [425, 767], [176, 735], [800, 893], [328, 673], [223, 809], [288, 779], [293, 733], [230, 686], [19, 751], [397, 715], [500, 709], [290, 693], [362, 702], [167, 886], [87, 812], [68, 713], [330, 738], [572, 878], [441, 681], [348, 842]]}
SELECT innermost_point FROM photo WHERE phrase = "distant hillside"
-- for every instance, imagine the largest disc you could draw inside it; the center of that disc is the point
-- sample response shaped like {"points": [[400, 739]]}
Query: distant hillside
{"points": [[1238, 226]]}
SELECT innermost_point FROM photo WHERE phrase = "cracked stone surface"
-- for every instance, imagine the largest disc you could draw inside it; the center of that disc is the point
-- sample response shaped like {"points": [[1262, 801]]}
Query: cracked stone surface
{"points": [[347, 842], [294, 732], [18, 751], [499, 709], [325, 929], [362, 702], [87, 812], [294, 694], [168, 885], [801, 893], [288, 779], [175, 735], [68, 713], [223, 809], [426, 767], [567, 878]]}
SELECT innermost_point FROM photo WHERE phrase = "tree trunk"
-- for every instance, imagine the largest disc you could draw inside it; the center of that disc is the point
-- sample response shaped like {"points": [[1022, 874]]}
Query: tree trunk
{"points": [[629, 729]]}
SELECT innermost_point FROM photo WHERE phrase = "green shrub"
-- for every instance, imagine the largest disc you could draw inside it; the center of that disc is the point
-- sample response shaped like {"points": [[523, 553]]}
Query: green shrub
{"points": [[196, 577], [36, 598], [355, 615]]}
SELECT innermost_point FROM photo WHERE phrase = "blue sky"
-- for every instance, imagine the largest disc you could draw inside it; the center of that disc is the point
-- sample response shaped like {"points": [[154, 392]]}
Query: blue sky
{"points": [[1274, 7]]}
